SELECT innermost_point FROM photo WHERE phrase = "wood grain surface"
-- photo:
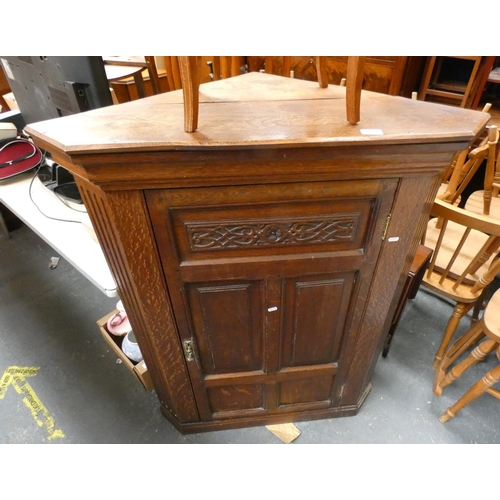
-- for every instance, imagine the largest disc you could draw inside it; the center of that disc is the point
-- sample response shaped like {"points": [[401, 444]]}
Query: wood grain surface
{"points": [[256, 257], [259, 111]]}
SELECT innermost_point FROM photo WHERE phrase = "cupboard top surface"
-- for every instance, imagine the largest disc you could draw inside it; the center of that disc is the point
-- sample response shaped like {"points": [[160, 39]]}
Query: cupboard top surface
{"points": [[258, 110]]}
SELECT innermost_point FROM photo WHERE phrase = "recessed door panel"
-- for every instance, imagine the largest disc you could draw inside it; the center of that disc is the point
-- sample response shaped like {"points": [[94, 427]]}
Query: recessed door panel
{"points": [[315, 312], [228, 326], [307, 390], [236, 398]]}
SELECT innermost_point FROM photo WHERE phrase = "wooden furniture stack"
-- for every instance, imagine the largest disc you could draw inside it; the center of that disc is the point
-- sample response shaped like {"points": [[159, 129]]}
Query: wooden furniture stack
{"points": [[489, 329], [457, 80], [260, 259], [464, 261], [125, 72]]}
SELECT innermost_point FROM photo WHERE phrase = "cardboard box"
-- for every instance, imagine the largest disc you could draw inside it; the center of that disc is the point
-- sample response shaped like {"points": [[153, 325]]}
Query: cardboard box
{"points": [[139, 370]]}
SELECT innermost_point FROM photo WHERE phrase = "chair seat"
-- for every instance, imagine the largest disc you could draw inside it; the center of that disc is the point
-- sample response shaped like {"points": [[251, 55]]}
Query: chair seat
{"points": [[451, 238], [475, 204], [464, 242], [491, 315], [442, 189]]}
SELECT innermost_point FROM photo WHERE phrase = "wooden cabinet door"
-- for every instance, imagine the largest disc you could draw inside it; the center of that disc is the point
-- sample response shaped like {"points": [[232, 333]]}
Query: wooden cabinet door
{"points": [[268, 284]]}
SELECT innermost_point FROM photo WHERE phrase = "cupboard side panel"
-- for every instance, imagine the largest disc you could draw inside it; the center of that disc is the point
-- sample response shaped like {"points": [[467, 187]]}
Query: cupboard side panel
{"points": [[121, 222], [403, 235]]}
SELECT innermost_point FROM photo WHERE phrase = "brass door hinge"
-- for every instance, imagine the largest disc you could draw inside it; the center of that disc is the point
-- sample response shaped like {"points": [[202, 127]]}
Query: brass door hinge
{"points": [[386, 226], [188, 350]]}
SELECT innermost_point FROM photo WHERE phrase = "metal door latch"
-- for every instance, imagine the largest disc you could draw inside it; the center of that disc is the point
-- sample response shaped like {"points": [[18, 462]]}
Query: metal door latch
{"points": [[386, 227], [188, 350]]}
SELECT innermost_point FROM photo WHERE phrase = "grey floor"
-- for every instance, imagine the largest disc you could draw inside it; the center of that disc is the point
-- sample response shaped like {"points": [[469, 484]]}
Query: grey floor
{"points": [[48, 320]]}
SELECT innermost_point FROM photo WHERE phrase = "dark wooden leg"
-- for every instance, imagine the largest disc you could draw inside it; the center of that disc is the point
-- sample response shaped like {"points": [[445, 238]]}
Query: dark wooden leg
{"points": [[3, 226], [153, 74], [397, 315], [417, 270], [139, 83]]}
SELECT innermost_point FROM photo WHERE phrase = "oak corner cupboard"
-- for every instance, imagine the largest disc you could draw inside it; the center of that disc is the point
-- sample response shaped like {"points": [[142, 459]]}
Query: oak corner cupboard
{"points": [[260, 258]]}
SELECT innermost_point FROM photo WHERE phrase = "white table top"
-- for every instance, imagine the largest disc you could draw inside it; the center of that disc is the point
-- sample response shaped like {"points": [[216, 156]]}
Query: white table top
{"points": [[75, 242]]}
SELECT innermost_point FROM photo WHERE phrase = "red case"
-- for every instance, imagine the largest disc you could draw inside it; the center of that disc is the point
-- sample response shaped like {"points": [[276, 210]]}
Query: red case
{"points": [[18, 156]]}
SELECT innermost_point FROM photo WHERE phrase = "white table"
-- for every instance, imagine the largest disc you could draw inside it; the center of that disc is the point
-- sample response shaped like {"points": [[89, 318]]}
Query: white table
{"points": [[74, 242]]}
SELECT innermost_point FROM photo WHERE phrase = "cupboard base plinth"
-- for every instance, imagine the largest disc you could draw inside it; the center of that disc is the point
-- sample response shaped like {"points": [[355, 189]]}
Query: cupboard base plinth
{"points": [[263, 419]]}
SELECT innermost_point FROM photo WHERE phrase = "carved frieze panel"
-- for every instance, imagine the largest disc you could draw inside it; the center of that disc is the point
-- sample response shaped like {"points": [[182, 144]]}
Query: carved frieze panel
{"points": [[263, 233]]}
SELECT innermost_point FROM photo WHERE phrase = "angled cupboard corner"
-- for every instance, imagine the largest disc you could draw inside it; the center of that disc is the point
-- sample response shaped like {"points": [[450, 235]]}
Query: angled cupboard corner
{"points": [[260, 258]]}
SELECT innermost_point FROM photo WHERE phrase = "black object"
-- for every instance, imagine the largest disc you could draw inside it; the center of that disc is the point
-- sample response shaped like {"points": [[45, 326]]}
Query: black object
{"points": [[59, 180], [47, 87]]}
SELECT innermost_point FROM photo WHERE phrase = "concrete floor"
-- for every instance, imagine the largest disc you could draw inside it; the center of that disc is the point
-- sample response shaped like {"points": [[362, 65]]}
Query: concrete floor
{"points": [[79, 394]]}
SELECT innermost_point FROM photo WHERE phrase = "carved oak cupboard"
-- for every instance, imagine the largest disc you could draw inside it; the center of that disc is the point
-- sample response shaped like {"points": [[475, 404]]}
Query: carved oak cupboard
{"points": [[260, 258]]}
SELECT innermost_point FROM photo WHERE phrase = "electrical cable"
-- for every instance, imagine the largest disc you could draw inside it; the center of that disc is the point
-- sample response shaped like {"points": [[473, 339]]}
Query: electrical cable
{"points": [[33, 201], [64, 202]]}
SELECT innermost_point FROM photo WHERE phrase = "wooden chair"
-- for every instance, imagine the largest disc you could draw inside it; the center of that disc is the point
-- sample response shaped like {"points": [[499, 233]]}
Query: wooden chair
{"points": [[464, 166], [189, 73], [487, 201], [488, 327], [463, 263], [433, 84], [120, 69]]}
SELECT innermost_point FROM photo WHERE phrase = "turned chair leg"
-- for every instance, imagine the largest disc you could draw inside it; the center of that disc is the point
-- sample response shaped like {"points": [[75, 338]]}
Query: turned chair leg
{"points": [[475, 334], [459, 312], [477, 355], [479, 388]]}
